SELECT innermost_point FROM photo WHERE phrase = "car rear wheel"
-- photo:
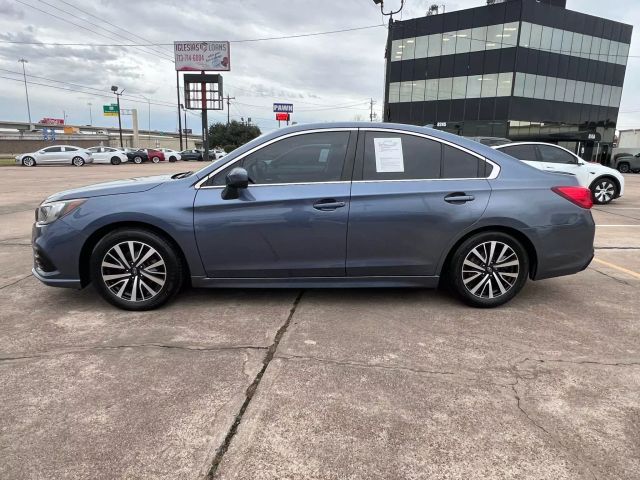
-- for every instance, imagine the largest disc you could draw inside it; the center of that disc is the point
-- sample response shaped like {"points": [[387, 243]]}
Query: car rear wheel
{"points": [[29, 162], [77, 161], [172, 159], [155, 159], [624, 167], [136, 269], [115, 161], [488, 269], [603, 191], [137, 159]]}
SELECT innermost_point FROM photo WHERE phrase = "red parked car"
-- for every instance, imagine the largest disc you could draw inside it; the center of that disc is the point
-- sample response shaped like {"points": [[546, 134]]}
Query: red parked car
{"points": [[154, 155]]}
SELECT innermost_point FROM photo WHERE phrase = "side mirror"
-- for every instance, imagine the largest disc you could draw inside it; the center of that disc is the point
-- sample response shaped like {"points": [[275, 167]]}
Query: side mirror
{"points": [[237, 179]]}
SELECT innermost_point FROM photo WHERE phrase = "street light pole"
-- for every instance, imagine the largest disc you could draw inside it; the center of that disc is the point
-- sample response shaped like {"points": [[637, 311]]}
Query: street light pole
{"points": [[186, 134], [114, 89], [26, 90], [90, 114], [149, 122]]}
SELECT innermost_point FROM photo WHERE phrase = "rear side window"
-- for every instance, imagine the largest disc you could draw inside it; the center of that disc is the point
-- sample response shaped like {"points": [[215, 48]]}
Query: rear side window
{"points": [[522, 152], [459, 164], [70, 149], [395, 156]]}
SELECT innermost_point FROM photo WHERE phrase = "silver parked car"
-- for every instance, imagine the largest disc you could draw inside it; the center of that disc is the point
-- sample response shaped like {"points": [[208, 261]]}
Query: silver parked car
{"points": [[56, 154], [108, 155]]}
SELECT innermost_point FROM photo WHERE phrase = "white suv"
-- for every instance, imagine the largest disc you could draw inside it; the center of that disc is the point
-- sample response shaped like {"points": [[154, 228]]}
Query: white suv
{"points": [[605, 183]]}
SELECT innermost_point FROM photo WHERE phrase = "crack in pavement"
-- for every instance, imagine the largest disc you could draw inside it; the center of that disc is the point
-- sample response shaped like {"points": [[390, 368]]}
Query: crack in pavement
{"points": [[251, 390], [547, 432], [616, 279], [582, 362], [133, 345], [617, 248], [15, 282]]}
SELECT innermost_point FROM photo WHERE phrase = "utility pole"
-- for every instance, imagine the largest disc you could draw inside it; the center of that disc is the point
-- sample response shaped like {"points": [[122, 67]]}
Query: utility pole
{"points": [[26, 90], [186, 134], [148, 122], [90, 114], [114, 89], [228, 98], [371, 114], [179, 117]]}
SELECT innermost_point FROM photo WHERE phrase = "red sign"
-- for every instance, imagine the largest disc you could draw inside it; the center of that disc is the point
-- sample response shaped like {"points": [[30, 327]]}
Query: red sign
{"points": [[282, 117], [52, 121]]}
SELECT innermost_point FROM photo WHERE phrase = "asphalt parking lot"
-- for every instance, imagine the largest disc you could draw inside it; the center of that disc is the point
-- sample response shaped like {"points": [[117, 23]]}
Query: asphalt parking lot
{"points": [[318, 384]]}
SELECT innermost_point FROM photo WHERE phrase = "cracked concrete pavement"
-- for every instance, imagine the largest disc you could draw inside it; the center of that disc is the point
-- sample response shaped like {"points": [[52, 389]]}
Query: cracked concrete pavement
{"points": [[333, 384]]}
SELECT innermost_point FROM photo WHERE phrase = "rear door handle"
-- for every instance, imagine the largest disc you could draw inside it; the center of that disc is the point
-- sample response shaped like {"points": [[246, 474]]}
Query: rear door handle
{"points": [[328, 204], [459, 197]]}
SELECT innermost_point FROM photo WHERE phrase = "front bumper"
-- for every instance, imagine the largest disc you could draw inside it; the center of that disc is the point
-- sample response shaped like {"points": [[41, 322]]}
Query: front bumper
{"points": [[56, 249]]}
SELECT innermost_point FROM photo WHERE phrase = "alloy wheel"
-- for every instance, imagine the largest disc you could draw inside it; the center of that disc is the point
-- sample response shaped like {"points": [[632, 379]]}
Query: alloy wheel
{"points": [[137, 160], [155, 159], [134, 271], [28, 162], [624, 168], [490, 269], [78, 161], [604, 191]]}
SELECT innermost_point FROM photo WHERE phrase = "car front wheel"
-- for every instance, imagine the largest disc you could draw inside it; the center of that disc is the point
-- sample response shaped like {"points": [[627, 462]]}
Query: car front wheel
{"points": [[624, 167], [155, 159], [136, 269], [603, 191], [137, 160], [28, 162], [115, 161], [488, 269]]}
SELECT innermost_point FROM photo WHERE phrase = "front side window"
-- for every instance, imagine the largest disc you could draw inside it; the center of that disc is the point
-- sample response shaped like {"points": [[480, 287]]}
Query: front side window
{"points": [[397, 156], [521, 152], [94, 149], [306, 158], [52, 149], [551, 154]]}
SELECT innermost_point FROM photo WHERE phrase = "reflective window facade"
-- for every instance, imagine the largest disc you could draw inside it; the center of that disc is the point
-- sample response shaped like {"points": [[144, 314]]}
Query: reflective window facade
{"points": [[491, 70]]}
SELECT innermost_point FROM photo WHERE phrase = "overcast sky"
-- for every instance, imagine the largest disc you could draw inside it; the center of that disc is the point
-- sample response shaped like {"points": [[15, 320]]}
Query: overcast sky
{"points": [[316, 74]]}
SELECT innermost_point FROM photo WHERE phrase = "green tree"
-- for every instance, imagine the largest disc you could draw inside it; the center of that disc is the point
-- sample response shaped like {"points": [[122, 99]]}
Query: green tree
{"points": [[231, 136]]}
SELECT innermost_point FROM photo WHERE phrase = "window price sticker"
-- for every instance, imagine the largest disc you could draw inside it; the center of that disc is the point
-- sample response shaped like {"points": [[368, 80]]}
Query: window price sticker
{"points": [[388, 155]]}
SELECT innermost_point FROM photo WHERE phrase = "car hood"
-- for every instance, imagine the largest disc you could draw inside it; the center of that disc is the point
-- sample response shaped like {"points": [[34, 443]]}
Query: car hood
{"points": [[131, 185]]}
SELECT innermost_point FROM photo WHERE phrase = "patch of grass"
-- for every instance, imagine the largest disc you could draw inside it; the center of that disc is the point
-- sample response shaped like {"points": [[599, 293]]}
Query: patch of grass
{"points": [[7, 161]]}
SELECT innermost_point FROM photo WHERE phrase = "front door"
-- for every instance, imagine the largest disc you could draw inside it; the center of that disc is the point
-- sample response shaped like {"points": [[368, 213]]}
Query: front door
{"points": [[557, 159], [291, 222], [411, 197], [51, 155]]}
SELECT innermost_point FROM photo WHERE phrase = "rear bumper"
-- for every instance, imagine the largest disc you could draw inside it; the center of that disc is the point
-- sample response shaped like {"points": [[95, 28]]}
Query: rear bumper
{"points": [[563, 249]]}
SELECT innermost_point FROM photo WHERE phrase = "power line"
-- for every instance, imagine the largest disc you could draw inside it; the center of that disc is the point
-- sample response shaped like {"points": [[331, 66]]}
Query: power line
{"points": [[152, 44], [83, 27], [131, 34], [129, 95]]}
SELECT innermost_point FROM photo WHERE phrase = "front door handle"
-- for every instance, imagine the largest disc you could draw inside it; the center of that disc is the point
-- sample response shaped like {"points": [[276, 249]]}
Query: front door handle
{"points": [[328, 204], [459, 197]]}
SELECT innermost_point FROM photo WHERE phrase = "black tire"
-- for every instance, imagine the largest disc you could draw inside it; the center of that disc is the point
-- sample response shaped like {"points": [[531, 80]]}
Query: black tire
{"points": [[29, 162], [474, 291], [155, 159], [172, 159], [115, 161], [173, 270], [77, 161], [603, 190], [624, 167], [137, 160]]}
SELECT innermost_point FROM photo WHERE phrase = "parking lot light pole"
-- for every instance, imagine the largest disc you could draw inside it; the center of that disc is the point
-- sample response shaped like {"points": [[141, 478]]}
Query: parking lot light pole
{"points": [[114, 89], [90, 113], [179, 116], [26, 90], [148, 122]]}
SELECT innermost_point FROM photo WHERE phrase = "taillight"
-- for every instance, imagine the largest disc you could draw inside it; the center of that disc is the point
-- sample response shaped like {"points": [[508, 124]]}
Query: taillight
{"points": [[579, 195]]}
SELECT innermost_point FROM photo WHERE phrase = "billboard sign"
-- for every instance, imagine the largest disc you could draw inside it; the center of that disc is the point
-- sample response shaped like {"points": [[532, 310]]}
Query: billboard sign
{"points": [[110, 110], [282, 117], [283, 107], [202, 56], [52, 121]]}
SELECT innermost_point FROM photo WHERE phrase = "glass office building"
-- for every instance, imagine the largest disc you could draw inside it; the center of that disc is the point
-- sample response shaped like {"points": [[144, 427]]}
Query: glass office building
{"points": [[521, 69]]}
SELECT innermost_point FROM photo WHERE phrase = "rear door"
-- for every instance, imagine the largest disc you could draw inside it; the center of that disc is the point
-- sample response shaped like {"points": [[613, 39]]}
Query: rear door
{"points": [[411, 197], [291, 221]]}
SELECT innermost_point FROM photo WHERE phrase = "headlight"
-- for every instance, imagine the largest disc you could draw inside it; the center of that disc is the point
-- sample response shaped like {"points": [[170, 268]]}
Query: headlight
{"points": [[49, 212]]}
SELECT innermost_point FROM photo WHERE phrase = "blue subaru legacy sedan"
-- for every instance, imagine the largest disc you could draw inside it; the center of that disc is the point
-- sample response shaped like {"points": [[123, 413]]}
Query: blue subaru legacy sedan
{"points": [[327, 205]]}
